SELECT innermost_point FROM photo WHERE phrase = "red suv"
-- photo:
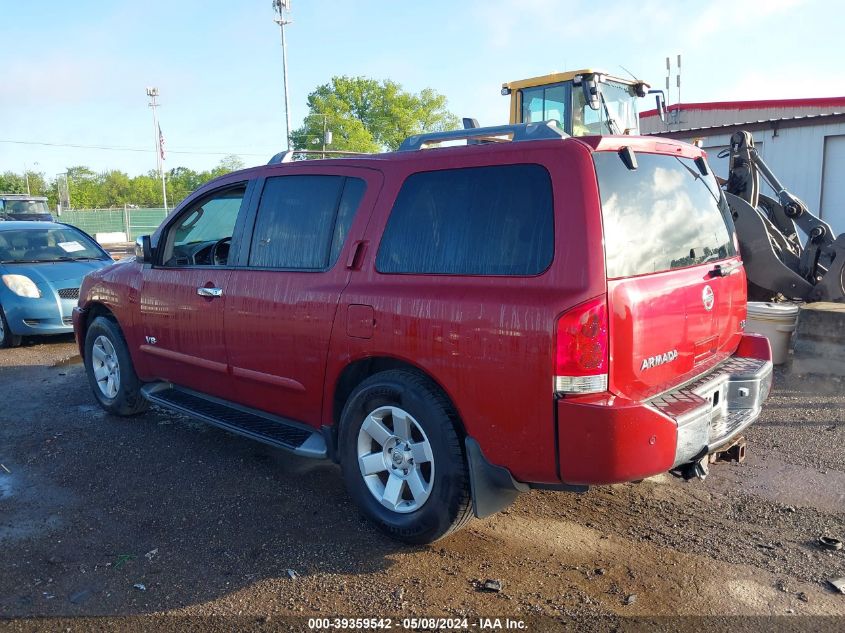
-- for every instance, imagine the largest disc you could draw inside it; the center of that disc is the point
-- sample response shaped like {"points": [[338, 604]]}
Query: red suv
{"points": [[452, 325]]}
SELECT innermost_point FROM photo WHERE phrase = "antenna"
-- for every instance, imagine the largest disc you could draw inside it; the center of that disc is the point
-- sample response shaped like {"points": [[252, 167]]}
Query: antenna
{"points": [[629, 72], [678, 77]]}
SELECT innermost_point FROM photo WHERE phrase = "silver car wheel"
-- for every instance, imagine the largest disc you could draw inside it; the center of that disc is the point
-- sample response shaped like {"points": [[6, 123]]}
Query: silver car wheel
{"points": [[106, 366], [395, 459]]}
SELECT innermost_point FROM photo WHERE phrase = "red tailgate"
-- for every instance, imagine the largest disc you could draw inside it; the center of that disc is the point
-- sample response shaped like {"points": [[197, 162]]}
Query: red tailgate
{"points": [[662, 332], [676, 287]]}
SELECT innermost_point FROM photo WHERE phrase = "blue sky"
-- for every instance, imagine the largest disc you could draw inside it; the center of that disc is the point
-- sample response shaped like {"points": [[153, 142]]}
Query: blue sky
{"points": [[75, 72]]}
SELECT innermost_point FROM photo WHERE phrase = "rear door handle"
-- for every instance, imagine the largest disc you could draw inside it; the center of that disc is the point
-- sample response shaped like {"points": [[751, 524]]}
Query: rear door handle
{"points": [[356, 255], [210, 292]]}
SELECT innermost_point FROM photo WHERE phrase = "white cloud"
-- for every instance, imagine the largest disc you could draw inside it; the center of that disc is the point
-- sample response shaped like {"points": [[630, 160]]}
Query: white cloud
{"points": [[723, 16]]}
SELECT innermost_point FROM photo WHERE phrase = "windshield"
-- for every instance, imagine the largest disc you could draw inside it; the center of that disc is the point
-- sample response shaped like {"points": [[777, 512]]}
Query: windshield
{"points": [[617, 113], [47, 245], [24, 206]]}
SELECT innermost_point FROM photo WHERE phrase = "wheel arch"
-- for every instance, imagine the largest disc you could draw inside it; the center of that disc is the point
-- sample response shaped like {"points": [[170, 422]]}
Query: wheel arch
{"points": [[93, 310], [356, 372]]}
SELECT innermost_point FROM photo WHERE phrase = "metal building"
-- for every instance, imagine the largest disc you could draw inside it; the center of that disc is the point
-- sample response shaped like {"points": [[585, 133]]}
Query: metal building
{"points": [[802, 140]]}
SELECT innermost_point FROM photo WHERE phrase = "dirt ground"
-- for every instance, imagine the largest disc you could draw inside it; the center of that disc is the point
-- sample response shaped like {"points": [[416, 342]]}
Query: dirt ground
{"points": [[159, 522]]}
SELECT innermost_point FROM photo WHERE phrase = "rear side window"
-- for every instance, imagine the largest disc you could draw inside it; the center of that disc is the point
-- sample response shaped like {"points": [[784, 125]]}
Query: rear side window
{"points": [[473, 221], [663, 215], [303, 221]]}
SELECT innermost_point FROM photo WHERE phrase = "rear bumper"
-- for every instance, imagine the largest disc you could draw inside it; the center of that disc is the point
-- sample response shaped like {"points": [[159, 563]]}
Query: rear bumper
{"points": [[608, 439], [715, 409]]}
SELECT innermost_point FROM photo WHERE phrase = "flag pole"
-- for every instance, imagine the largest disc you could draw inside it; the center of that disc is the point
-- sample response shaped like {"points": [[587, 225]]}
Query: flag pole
{"points": [[152, 93]]}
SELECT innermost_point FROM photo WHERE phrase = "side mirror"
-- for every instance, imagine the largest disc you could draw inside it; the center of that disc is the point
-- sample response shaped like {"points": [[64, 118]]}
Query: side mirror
{"points": [[591, 91], [143, 250], [641, 88]]}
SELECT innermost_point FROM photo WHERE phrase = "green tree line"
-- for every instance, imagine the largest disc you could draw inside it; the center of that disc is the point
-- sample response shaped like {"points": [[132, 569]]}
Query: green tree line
{"points": [[114, 188]]}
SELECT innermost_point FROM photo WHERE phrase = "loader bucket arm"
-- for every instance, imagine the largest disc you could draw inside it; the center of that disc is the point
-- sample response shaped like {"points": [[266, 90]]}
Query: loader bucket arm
{"points": [[776, 260]]}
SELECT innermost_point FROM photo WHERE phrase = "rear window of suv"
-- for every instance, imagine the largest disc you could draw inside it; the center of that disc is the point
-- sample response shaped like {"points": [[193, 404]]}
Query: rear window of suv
{"points": [[661, 216], [496, 220]]}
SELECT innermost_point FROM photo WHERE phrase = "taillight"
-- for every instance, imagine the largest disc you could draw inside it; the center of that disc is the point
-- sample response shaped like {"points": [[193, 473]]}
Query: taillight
{"points": [[581, 349]]}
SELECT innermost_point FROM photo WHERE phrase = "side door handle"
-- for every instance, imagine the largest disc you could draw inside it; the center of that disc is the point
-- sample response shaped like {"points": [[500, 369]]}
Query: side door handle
{"points": [[356, 256], [211, 293], [723, 270]]}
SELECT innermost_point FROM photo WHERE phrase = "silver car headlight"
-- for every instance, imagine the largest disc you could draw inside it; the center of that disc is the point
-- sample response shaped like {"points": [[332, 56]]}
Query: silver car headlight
{"points": [[22, 286]]}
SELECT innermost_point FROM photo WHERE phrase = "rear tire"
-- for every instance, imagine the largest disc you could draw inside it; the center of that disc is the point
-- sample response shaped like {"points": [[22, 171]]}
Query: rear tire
{"points": [[402, 458], [110, 371], [7, 339]]}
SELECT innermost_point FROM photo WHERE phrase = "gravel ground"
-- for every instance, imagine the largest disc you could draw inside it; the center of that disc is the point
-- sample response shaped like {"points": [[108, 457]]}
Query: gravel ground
{"points": [[160, 522]]}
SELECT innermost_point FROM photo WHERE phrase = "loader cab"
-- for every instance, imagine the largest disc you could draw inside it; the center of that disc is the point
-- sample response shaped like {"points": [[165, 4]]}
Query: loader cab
{"points": [[582, 102]]}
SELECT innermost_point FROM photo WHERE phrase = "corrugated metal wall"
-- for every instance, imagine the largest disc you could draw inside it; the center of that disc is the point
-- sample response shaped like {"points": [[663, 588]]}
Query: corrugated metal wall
{"points": [[692, 118], [796, 155]]}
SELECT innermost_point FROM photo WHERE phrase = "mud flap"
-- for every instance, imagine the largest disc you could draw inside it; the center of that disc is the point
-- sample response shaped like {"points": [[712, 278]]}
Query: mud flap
{"points": [[493, 488]]}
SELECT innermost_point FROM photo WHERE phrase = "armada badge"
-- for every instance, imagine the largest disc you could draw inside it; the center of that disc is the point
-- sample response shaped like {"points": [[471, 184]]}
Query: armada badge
{"points": [[659, 359]]}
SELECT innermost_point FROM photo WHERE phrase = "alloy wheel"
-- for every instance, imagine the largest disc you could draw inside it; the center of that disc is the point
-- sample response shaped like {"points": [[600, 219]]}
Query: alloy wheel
{"points": [[106, 367], [395, 459]]}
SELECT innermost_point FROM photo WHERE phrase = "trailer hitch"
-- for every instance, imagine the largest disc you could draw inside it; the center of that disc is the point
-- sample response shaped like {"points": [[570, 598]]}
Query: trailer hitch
{"points": [[733, 452]]}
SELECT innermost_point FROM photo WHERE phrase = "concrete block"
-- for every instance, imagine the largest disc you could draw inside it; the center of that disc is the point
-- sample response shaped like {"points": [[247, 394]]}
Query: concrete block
{"points": [[819, 343], [115, 237]]}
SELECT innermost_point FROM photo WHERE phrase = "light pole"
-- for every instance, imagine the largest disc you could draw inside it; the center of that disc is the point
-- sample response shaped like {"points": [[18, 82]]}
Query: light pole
{"points": [[282, 9], [152, 93]]}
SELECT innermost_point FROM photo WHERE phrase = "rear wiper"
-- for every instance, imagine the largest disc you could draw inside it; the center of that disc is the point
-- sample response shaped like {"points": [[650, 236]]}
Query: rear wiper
{"points": [[697, 176]]}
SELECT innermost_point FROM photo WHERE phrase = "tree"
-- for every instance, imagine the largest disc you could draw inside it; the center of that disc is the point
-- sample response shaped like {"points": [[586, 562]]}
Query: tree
{"points": [[367, 115], [84, 187], [227, 164], [10, 182]]}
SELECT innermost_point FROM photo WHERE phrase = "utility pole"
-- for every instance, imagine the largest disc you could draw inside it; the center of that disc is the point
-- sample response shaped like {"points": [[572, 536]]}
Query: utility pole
{"points": [[282, 9], [152, 93], [327, 133], [63, 192]]}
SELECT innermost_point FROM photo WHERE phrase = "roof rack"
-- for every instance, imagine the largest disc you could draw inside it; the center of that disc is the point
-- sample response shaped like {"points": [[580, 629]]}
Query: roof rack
{"points": [[289, 155], [519, 132]]}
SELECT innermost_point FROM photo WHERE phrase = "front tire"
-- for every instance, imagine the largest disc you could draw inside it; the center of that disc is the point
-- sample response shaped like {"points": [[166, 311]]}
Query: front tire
{"points": [[7, 339], [402, 458], [110, 371]]}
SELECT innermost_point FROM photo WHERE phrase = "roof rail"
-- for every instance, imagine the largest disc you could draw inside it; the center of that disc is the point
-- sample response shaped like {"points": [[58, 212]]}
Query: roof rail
{"points": [[519, 132], [291, 155], [282, 157]]}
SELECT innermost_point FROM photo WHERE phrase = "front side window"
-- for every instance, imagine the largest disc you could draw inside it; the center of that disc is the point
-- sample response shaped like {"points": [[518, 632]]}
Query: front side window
{"points": [[663, 215], [474, 221], [202, 236], [544, 103], [303, 221]]}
